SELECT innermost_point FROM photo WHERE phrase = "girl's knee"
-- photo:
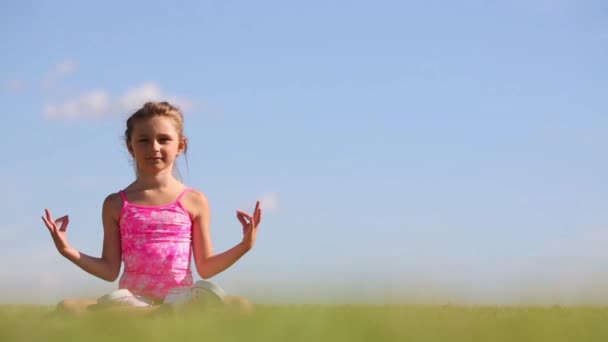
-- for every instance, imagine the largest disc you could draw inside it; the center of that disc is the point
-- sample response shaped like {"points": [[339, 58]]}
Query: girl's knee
{"points": [[73, 305], [240, 304]]}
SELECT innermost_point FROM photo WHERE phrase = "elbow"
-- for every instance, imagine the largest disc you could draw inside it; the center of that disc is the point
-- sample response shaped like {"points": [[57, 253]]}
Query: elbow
{"points": [[112, 271], [204, 274], [203, 269], [111, 277]]}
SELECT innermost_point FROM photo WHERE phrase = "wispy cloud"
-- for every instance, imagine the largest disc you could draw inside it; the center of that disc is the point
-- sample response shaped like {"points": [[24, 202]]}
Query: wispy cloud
{"points": [[270, 202], [134, 97], [58, 72], [99, 103], [15, 86], [93, 104]]}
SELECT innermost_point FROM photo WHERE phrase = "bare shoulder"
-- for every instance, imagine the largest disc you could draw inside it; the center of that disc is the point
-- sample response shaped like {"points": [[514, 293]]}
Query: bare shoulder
{"points": [[195, 201], [112, 205]]}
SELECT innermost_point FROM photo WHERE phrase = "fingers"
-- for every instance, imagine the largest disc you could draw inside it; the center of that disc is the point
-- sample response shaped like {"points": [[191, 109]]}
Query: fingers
{"points": [[241, 216], [259, 217], [64, 220], [257, 213], [48, 215], [244, 214], [52, 224], [48, 224], [244, 222], [48, 221], [254, 219]]}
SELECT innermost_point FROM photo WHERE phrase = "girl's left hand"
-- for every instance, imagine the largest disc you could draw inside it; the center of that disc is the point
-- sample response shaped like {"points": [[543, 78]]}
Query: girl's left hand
{"points": [[250, 224]]}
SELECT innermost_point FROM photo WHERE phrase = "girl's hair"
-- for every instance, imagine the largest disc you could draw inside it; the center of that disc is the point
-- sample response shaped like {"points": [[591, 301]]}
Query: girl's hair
{"points": [[152, 109]]}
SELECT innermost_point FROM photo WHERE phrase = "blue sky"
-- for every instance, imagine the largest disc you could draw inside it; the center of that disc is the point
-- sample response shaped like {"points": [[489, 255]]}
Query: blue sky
{"points": [[404, 150]]}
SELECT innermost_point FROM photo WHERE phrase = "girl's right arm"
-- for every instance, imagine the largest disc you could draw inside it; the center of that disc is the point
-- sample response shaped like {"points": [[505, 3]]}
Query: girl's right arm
{"points": [[108, 266]]}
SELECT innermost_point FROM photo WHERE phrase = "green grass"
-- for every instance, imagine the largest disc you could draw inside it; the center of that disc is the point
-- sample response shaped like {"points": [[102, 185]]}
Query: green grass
{"points": [[316, 323]]}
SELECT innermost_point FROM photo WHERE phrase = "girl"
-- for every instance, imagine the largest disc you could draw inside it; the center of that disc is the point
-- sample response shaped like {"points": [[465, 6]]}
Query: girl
{"points": [[155, 223]]}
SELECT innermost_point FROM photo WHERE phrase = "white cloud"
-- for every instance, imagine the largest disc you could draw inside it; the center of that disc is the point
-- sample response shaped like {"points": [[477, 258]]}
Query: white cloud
{"points": [[99, 104], [93, 104], [134, 97], [61, 70], [96, 104], [270, 202]]}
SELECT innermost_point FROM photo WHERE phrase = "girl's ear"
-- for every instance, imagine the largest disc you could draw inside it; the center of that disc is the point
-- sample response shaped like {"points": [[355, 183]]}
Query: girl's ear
{"points": [[130, 149], [183, 145]]}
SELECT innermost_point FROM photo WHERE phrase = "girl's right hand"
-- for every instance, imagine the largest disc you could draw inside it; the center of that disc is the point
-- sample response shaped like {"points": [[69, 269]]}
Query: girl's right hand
{"points": [[58, 234]]}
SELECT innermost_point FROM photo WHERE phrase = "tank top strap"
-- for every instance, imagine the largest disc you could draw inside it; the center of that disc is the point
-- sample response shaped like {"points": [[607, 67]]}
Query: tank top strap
{"points": [[123, 196], [182, 194]]}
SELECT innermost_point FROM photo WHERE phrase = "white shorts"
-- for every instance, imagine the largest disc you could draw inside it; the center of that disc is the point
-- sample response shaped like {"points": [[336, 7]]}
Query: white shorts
{"points": [[201, 292]]}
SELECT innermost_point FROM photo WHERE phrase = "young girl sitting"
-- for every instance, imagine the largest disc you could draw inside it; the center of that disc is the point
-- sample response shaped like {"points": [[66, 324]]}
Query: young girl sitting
{"points": [[154, 225]]}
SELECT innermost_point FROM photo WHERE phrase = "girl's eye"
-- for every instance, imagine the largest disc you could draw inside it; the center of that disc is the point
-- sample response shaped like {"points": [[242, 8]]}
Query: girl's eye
{"points": [[143, 140]]}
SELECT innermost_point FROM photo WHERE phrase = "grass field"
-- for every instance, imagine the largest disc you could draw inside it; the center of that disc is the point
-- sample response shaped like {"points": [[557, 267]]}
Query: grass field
{"points": [[316, 323]]}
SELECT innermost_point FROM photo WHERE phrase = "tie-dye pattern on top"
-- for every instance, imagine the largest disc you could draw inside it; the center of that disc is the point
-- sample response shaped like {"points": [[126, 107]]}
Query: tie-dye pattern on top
{"points": [[156, 247]]}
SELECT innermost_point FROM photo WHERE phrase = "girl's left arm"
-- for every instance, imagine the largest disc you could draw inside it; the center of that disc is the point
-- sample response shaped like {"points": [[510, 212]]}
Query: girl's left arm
{"points": [[208, 264]]}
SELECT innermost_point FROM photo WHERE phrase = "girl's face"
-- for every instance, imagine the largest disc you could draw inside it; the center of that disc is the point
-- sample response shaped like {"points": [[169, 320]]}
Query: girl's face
{"points": [[155, 144]]}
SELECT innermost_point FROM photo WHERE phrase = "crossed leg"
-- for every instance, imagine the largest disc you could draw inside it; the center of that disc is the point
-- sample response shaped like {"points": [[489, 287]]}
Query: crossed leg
{"points": [[238, 304], [75, 306], [88, 306], [84, 306]]}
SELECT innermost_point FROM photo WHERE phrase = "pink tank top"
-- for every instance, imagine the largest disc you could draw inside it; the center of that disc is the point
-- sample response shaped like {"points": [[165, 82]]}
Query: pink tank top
{"points": [[156, 247]]}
